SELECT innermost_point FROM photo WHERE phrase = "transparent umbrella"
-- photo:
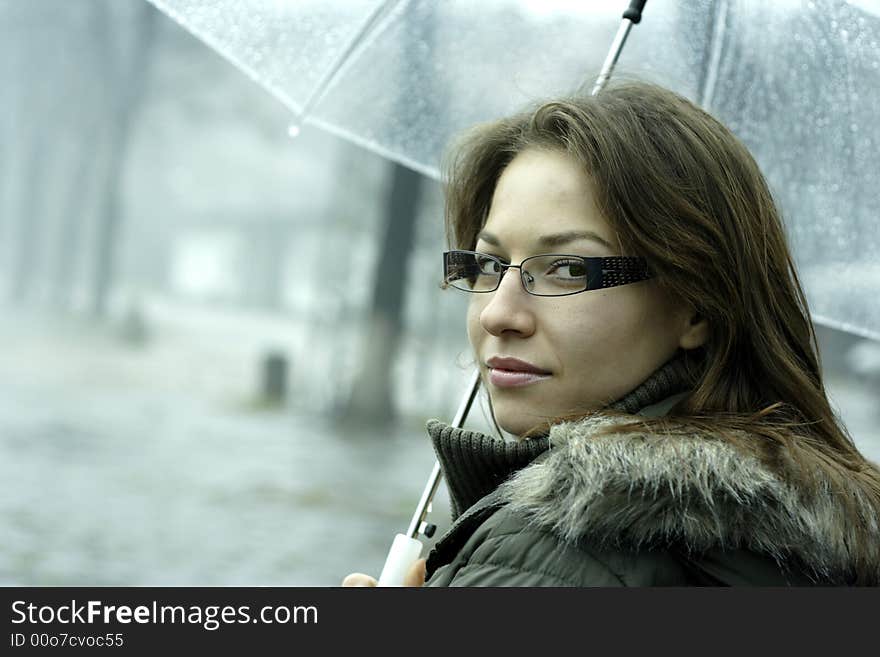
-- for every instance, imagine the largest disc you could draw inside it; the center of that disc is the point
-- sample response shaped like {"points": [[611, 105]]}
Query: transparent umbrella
{"points": [[798, 81]]}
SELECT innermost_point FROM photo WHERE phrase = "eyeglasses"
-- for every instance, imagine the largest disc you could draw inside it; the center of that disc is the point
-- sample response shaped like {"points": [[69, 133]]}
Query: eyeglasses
{"points": [[549, 275]]}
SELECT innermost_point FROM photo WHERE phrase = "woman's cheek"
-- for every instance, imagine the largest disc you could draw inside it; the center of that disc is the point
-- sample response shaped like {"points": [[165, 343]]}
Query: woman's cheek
{"points": [[474, 330]]}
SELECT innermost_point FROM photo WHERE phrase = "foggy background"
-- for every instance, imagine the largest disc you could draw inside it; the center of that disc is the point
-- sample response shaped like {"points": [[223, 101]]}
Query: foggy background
{"points": [[207, 374]]}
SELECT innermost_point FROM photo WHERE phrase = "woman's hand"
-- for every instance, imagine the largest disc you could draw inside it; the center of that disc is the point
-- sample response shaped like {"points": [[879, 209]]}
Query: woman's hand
{"points": [[415, 576]]}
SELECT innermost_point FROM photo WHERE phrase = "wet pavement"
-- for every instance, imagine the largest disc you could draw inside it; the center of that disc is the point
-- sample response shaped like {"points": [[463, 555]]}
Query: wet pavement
{"points": [[111, 480]]}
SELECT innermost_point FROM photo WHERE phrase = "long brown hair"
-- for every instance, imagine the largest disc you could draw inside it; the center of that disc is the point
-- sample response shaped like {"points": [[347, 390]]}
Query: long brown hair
{"points": [[683, 192]]}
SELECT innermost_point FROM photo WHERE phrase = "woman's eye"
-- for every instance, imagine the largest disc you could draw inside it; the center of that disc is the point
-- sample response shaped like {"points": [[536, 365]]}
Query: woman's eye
{"points": [[567, 269], [488, 265]]}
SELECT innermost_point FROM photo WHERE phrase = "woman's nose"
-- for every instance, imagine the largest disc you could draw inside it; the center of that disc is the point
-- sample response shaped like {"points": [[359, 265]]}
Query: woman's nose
{"points": [[508, 308]]}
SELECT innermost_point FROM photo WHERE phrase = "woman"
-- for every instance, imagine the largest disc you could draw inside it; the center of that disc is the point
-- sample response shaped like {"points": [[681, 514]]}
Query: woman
{"points": [[640, 326]]}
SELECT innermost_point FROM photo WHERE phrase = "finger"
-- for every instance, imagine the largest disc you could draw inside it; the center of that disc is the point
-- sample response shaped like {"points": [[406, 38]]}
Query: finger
{"points": [[359, 579], [415, 576]]}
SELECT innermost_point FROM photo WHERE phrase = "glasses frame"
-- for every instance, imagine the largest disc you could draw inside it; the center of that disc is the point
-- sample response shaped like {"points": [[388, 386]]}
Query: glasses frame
{"points": [[602, 271]]}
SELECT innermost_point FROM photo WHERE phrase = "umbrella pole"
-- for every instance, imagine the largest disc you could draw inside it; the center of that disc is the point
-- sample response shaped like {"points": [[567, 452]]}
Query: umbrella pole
{"points": [[416, 525], [407, 547]]}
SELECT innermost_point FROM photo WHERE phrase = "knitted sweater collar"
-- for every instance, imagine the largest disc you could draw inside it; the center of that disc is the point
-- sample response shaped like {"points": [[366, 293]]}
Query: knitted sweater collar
{"points": [[474, 464]]}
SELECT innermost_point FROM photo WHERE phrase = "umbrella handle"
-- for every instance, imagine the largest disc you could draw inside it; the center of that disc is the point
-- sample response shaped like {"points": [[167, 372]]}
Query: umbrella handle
{"points": [[404, 551]]}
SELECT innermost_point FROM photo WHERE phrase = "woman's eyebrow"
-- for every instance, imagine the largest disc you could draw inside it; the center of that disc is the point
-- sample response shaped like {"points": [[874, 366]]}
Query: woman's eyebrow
{"points": [[489, 237], [558, 239], [555, 239]]}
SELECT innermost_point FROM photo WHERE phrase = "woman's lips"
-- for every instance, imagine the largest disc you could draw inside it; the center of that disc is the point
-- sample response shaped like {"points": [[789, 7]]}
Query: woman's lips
{"points": [[508, 372], [512, 379]]}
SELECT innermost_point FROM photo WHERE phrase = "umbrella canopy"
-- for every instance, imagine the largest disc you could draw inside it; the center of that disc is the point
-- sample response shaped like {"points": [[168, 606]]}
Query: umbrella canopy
{"points": [[798, 81]]}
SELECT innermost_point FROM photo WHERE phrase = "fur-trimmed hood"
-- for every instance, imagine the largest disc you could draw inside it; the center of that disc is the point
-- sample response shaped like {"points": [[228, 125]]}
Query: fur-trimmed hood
{"points": [[701, 492]]}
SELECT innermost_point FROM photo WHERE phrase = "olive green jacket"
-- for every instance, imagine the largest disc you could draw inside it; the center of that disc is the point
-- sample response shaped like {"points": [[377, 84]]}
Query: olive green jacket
{"points": [[638, 509]]}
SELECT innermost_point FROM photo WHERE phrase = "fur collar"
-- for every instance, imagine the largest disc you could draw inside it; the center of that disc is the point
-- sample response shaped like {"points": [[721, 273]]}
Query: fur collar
{"points": [[700, 491]]}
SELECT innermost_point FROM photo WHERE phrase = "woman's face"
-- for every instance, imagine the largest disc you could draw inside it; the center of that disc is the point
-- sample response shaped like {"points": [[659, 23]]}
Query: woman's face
{"points": [[591, 348]]}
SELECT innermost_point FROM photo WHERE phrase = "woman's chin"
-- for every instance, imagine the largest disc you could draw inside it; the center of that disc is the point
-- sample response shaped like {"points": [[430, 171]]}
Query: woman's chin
{"points": [[519, 425]]}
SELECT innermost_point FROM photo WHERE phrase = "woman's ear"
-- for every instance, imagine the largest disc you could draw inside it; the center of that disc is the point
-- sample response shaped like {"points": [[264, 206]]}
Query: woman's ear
{"points": [[695, 333]]}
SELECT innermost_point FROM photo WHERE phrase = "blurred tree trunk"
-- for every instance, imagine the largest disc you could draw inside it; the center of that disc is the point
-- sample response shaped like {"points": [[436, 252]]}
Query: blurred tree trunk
{"points": [[371, 396], [128, 68], [35, 91], [72, 222], [32, 216], [89, 114], [11, 77]]}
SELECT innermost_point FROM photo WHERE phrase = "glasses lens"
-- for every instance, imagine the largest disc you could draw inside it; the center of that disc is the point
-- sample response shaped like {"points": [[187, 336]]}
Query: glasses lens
{"points": [[472, 272], [553, 275]]}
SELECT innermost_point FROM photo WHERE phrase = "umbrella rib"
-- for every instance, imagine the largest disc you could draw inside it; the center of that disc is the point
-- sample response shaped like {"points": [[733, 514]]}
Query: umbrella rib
{"points": [[716, 45], [367, 28]]}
